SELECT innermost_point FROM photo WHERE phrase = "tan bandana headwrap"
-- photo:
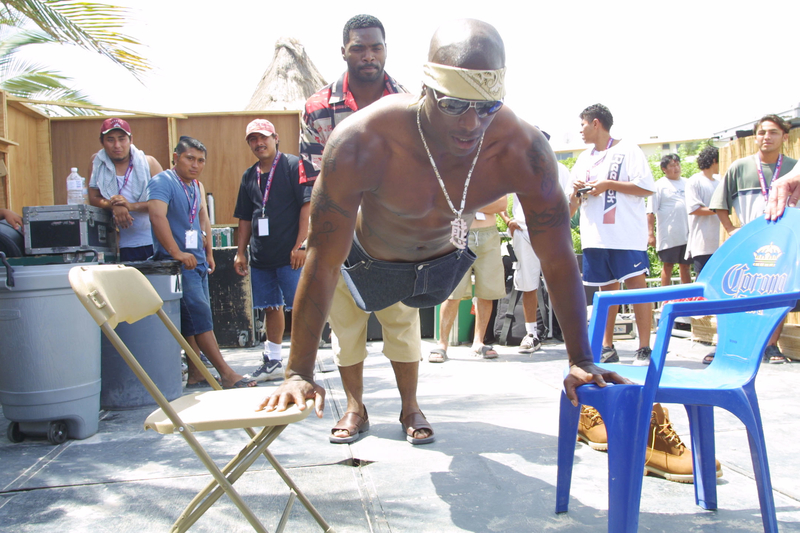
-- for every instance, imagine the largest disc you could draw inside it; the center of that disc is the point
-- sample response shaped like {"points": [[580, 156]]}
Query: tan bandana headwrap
{"points": [[464, 83]]}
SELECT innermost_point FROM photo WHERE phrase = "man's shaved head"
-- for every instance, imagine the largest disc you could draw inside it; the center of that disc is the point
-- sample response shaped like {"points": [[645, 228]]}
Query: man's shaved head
{"points": [[468, 43]]}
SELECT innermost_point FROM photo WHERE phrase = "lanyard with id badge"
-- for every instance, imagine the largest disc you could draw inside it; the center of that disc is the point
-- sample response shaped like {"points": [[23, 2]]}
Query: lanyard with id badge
{"points": [[262, 222], [192, 240]]}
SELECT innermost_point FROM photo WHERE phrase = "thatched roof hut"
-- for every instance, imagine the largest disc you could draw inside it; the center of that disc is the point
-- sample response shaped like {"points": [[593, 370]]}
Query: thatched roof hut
{"points": [[289, 80]]}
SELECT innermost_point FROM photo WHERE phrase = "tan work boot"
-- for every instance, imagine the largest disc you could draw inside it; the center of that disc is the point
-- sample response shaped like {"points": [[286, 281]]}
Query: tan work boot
{"points": [[666, 455], [592, 429]]}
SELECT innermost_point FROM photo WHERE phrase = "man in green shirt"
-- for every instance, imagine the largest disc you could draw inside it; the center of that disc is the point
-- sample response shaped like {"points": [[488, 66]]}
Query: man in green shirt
{"points": [[745, 188]]}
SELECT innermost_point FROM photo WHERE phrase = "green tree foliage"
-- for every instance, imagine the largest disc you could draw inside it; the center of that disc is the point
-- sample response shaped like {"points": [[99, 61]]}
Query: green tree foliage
{"points": [[90, 26], [569, 162]]}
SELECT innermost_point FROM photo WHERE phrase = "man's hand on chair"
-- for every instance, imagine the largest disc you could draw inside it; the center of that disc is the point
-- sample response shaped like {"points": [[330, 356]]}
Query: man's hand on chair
{"points": [[587, 372], [296, 390]]}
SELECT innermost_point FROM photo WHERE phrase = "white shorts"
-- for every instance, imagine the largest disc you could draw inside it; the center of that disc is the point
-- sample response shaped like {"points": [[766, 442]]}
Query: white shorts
{"points": [[527, 268]]}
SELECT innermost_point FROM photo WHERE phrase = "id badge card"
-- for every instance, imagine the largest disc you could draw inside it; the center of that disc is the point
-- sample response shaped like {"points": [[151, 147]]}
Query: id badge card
{"points": [[191, 239], [263, 226]]}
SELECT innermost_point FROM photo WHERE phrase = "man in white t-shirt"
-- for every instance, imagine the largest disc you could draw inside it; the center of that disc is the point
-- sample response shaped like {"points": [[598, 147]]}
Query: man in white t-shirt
{"points": [[527, 269], [667, 210], [703, 222], [610, 182], [613, 179]]}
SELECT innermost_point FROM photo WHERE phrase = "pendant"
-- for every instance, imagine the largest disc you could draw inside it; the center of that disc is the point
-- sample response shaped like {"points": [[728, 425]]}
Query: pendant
{"points": [[458, 233]]}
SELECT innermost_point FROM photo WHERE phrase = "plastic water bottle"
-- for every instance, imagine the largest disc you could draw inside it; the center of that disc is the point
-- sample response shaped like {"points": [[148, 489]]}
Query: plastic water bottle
{"points": [[74, 188]]}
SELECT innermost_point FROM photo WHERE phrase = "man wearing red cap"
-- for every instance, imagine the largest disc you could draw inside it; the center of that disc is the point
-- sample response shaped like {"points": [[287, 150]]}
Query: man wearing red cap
{"points": [[273, 210], [119, 175]]}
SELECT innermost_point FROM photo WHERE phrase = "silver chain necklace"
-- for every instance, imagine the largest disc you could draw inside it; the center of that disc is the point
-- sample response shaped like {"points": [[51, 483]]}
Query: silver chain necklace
{"points": [[459, 229]]}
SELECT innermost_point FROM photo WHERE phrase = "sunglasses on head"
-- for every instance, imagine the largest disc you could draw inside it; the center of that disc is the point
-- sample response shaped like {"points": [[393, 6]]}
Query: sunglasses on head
{"points": [[456, 106]]}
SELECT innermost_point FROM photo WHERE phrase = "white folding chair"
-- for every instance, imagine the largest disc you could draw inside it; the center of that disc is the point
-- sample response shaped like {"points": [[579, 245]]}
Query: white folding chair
{"points": [[115, 293]]}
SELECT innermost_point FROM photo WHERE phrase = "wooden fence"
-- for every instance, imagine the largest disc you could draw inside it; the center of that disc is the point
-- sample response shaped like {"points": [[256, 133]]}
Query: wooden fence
{"points": [[739, 148]]}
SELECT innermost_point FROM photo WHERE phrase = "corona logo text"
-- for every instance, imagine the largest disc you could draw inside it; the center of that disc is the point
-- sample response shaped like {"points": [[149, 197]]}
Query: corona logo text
{"points": [[738, 281]]}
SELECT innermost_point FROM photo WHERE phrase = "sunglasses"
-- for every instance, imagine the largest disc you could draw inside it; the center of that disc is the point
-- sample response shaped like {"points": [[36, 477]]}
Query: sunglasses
{"points": [[456, 106]]}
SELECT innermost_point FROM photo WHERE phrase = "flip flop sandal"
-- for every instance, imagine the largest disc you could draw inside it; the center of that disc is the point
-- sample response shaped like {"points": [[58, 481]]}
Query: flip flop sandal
{"points": [[412, 423], [484, 351], [708, 359], [242, 384], [354, 424], [202, 384], [437, 355]]}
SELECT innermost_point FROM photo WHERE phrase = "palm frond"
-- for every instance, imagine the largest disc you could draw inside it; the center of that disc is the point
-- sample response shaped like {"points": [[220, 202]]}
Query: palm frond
{"points": [[10, 42], [92, 26], [48, 85], [27, 84], [15, 67]]}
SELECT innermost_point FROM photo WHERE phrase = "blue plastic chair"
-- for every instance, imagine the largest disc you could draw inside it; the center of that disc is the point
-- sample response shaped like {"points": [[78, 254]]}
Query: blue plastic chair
{"points": [[750, 284]]}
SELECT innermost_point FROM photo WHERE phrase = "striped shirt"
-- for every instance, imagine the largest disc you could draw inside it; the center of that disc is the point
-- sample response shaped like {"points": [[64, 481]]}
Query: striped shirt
{"points": [[324, 110]]}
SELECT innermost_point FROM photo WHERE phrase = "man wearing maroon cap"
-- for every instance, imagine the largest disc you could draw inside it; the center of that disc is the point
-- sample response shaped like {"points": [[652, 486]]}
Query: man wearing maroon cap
{"points": [[119, 175], [273, 210]]}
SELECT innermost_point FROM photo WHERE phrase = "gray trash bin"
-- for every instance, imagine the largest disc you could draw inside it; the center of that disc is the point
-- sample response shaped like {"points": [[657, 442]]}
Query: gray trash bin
{"points": [[49, 355], [150, 342]]}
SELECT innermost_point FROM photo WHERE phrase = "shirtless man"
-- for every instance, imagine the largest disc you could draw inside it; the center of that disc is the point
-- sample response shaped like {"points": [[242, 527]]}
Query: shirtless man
{"points": [[393, 160]]}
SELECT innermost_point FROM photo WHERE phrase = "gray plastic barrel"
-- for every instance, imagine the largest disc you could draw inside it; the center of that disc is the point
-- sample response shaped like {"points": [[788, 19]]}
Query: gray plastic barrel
{"points": [[150, 342], [49, 356]]}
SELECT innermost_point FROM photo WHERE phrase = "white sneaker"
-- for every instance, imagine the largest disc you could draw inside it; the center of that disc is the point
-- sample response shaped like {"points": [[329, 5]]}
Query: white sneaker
{"points": [[530, 344], [269, 371], [642, 356]]}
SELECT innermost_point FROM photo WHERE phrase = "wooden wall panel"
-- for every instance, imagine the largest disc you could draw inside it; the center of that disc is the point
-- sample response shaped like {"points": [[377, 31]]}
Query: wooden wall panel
{"points": [[29, 175], [76, 139], [4, 199], [3, 115], [228, 152]]}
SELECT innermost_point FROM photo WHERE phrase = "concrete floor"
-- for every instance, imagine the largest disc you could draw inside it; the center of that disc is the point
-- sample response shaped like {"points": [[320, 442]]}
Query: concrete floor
{"points": [[491, 469]]}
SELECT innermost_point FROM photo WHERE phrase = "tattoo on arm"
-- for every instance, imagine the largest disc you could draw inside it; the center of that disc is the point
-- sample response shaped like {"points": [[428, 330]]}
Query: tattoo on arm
{"points": [[328, 157], [321, 202], [552, 217], [542, 167], [322, 205]]}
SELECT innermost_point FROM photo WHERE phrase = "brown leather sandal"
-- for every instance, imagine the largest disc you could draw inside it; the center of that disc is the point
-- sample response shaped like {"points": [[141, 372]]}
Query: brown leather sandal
{"points": [[354, 424], [412, 423]]}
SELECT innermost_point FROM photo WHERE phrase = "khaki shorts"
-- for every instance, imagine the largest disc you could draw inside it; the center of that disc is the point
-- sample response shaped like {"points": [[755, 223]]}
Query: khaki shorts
{"points": [[488, 267], [402, 340]]}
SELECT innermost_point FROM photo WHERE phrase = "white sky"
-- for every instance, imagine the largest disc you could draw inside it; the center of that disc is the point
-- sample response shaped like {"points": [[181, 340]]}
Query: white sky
{"points": [[676, 69]]}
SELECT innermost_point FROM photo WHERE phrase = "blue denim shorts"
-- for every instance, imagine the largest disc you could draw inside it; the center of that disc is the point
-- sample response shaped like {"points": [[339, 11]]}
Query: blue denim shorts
{"points": [[195, 303], [377, 284], [274, 287], [602, 266]]}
